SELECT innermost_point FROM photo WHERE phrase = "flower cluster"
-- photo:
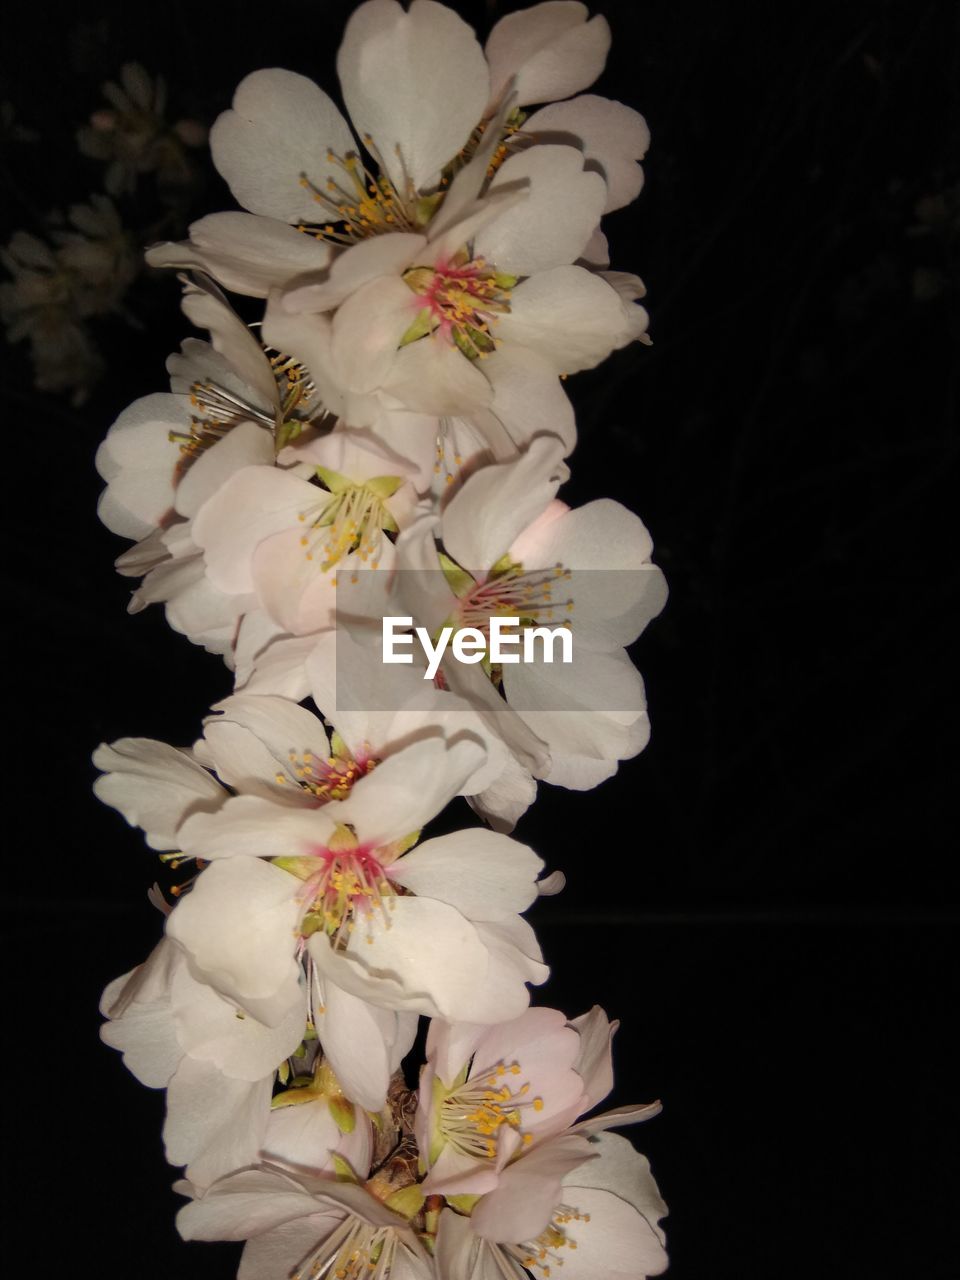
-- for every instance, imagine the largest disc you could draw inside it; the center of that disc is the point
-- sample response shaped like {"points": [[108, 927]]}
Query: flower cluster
{"points": [[80, 270], [388, 440]]}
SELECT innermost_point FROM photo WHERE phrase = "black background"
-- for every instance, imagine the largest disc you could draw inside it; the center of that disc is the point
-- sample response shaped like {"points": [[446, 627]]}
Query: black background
{"points": [[767, 895]]}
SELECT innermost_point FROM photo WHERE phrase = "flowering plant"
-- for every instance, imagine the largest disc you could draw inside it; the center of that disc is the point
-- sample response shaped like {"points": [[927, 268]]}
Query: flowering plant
{"points": [[388, 440]]}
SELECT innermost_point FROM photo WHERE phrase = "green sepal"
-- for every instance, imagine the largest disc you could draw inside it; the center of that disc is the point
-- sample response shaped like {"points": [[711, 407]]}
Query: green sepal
{"points": [[503, 281], [295, 1096], [458, 580], [342, 1168], [333, 480], [383, 487], [483, 344], [464, 344], [426, 207], [503, 565], [420, 327], [343, 1113], [287, 432], [463, 1204], [301, 867], [407, 1202], [313, 922]]}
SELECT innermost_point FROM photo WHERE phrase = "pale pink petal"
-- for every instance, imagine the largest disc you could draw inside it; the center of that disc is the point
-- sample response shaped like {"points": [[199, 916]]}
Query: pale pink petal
{"points": [[529, 1191], [498, 502]]}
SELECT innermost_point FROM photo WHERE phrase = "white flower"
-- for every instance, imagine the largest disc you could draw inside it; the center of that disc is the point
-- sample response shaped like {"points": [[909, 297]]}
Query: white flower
{"points": [[431, 930], [305, 1228], [132, 135], [437, 320], [487, 1093], [283, 536], [216, 1062], [512, 550], [604, 1222]]}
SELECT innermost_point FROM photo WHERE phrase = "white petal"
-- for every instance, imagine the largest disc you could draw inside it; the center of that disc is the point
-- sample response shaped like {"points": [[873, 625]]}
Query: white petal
{"points": [[248, 1203], [594, 1062], [529, 1190], [528, 396], [247, 445], [258, 828], [154, 786], [553, 225], [367, 330], [280, 129], [359, 1040], [416, 81], [486, 876], [139, 464], [212, 1030], [571, 317], [552, 49], [426, 958], [623, 1171], [433, 376], [214, 1125], [245, 253], [237, 925], [409, 788], [206, 307], [251, 505], [613, 136], [485, 518], [265, 731], [386, 255]]}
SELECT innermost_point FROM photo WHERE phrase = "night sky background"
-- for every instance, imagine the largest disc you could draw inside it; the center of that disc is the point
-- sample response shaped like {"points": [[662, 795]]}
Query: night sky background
{"points": [[767, 896]]}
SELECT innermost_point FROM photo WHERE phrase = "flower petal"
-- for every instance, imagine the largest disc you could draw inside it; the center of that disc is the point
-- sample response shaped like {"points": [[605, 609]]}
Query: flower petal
{"points": [[552, 226], [486, 876], [237, 926], [154, 786], [552, 49], [245, 253], [612, 136], [416, 81], [280, 129], [571, 317]]}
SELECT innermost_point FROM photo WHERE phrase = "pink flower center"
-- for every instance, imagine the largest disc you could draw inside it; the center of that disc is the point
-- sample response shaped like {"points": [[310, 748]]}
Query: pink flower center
{"points": [[348, 884], [460, 300]]}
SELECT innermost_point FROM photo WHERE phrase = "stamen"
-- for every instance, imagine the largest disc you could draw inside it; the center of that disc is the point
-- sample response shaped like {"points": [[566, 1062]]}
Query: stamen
{"points": [[472, 1116]]}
